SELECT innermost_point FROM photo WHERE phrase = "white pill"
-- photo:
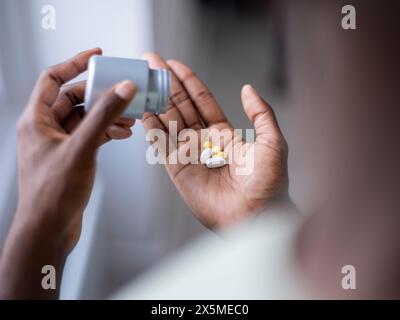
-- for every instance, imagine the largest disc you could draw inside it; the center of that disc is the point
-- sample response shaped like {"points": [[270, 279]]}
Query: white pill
{"points": [[215, 162], [205, 155]]}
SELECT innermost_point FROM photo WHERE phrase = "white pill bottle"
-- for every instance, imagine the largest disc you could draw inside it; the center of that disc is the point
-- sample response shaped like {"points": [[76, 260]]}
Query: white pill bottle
{"points": [[153, 86]]}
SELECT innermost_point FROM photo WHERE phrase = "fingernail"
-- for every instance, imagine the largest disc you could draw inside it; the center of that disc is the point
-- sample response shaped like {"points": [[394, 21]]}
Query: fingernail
{"points": [[125, 90], [248, 89], [98, 49], [125, 121], [147, 55], [118, 133]]}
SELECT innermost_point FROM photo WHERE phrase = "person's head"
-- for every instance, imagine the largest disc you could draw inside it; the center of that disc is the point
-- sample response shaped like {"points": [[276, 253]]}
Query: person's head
{"points": [[344, 88]]}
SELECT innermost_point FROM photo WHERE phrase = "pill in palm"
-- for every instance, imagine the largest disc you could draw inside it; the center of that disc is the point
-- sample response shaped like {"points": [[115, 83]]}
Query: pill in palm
{"points": [[212, 156], [215, 162], [219, 154], [216, 149], [207, 145], [205, 155]]}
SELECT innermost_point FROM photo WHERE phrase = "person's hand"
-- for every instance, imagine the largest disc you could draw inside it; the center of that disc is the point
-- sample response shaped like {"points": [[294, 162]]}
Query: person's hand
{"points": [[56, 151], [221, 196], [57, 145]]}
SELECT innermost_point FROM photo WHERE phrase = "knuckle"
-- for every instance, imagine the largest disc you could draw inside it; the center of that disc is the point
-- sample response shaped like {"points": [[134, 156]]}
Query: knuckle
{"points": [[204, 97], [70, 95], [261, 117], [50, 73], [46, 72], [79, 68], [179, 97]]}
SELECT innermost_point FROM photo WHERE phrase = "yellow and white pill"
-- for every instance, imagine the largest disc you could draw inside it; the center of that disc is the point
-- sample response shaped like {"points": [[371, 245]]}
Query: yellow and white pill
{"points": [[215, 162], [216, 149], [205, 155], [219, 154], [207, 145]]}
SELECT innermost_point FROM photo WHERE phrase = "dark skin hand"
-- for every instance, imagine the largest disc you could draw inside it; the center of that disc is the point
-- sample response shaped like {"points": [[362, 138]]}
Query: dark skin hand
{"points": [[57, 146], [222, 196]]}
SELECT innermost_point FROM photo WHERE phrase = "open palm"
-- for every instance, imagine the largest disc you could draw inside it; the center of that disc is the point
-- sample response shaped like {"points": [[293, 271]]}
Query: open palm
{"points": [[256, 172]]}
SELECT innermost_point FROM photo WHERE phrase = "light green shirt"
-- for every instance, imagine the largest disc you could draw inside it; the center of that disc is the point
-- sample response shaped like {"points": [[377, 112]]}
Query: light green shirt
{"points": [[253, 261]]}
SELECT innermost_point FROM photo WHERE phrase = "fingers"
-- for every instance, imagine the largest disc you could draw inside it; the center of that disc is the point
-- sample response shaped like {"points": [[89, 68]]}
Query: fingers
{"points": [[118, 132], [260, 114], [203, 99], [69, 96], [50, 81], [72, 120], [125, 122], [64, 108], [121, 129], [105, 112], [152, 124], [173, 113], [179, 97], [151, 121]]}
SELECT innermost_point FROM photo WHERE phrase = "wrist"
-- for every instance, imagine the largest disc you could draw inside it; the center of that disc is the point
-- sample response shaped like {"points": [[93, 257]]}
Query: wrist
{"points": [[39, 225], [29, 247]]}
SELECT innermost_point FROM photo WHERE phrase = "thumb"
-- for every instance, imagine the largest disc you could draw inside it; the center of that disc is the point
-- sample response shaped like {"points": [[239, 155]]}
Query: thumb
{"points": [[104, 112], [260, 114]]}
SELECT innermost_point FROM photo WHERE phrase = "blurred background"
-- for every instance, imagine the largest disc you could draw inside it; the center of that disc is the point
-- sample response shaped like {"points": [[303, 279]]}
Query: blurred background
{"points": [[135, 217]]}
